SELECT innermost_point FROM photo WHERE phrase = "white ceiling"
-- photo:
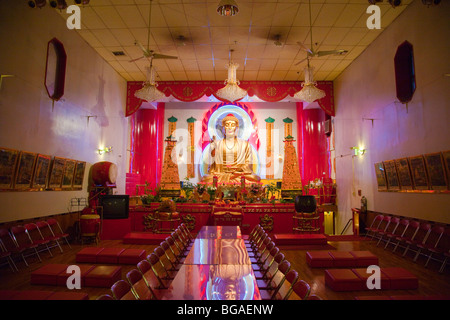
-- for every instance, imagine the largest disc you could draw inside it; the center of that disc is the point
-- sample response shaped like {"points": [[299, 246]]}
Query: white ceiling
{"points": [[114, 25]]}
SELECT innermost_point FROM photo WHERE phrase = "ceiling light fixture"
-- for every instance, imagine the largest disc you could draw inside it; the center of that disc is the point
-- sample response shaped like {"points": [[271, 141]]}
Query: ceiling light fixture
{"points": [[227, 8], [309, 92], [431, 2], [231, 92], [149, 92]]}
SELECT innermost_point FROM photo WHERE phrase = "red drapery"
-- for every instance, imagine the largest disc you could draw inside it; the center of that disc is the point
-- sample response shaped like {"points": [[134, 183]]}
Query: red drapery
{"points": [[269, 91]]}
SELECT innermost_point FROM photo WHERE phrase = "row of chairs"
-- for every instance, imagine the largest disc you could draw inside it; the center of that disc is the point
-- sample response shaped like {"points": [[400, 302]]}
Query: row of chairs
{"points": [[152, 276], [275, 278], [29, 239], [423, 237]]}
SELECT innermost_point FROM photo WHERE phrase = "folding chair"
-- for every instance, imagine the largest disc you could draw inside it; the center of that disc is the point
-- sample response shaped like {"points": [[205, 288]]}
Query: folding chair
{"points": [[168, 274], [276, 282], [392, 226], [302, 289], [437, 242], [259, 270], [399, 231], [175, 250], [36, 237], [121, 290], [24, 243], [47, 234], [287, 287], [374, 225], [4, 253], [409, 234], [57, 230], [382, 226], [171, 257], [419, 238], [139, 286], [151, 280], [159, 271], [9, 245]]}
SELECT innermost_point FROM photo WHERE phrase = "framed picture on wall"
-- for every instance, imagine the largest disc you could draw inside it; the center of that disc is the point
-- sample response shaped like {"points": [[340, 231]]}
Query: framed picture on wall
{"points": [[69, 171], [25, 170], [404, 174], [435, 169], [79, 174], [391, 175], [40, 176], [8, 165], [56, 173], [418, 172], [446, 159], [381, 176]]}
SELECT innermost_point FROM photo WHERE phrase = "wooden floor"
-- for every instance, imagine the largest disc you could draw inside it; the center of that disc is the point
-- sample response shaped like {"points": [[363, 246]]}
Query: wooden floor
{"points": [[430, 281]]}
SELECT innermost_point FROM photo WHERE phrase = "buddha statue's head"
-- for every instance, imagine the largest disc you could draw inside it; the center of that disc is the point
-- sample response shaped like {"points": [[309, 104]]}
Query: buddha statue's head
{"points": [[230, 124]]}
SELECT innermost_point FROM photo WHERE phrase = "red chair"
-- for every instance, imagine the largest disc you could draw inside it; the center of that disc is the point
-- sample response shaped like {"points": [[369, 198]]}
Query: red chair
{"points": [[263, 279], [36, 237], [158, 270], [167, 273], [444, 263], [10, 245], [121, 290], [302, 289], [171, 257], [57, 230], [175, 250], [105, 297], [276, 282], [4, 253], [399, 231], [390, 229], [431, 240], [149, 277], [374, 225], [314, 297], [419, 238], [47, 234], [24, 243], [409, 234], [139, 286], [441, 246], [287, 287], [382, 226]]}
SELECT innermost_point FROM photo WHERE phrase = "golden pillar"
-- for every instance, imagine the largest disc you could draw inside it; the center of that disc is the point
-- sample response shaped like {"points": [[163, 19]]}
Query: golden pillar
{"points": [[291, 184], [191, 148]]}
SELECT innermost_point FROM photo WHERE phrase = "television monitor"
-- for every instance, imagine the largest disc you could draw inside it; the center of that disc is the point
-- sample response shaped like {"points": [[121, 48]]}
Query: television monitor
{"points": [[115, 206]]}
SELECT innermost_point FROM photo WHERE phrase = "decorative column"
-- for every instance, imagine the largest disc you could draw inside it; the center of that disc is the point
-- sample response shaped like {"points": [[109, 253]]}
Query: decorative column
{"points": [[191, 148], [269, 148], [291, 184], [172, 125], [287, 127], [170, 180]]}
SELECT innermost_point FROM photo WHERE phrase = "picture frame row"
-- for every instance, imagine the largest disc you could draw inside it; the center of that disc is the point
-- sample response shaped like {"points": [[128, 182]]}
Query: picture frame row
{"points": [[30, 171], [418, 173]]}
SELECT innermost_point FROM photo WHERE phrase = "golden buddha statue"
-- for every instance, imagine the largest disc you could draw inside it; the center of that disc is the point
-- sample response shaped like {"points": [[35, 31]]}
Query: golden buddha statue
{"points": [[231, 157]]}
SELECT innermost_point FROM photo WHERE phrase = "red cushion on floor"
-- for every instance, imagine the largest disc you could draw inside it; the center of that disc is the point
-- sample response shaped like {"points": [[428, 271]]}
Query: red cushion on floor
{"points": [[103, 276], [32, 295], [109, 255], [401, 278], [342, 259], [7, 294], [84, 269], [364, 258], [88, 254], [132, 256], [343, 280], [299, 239], [48, 274], [385, 282], [68, 295], [319, 259]]}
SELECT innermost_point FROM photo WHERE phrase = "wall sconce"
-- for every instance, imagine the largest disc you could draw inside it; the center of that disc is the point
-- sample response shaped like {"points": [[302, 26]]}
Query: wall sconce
{"points": [[104, 150], [358, 151]]}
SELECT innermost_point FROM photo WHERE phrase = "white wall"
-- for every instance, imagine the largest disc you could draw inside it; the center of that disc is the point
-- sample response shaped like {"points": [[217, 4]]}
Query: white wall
{"points": [[262, 110], [27, 121], [366, 89]]}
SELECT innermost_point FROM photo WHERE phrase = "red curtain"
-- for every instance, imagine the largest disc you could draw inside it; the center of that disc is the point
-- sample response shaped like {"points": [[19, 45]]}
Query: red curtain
{"points": [[269, 91]]}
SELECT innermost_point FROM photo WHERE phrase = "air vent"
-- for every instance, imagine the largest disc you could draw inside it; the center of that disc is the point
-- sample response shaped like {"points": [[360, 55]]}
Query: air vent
{"points": [[118, 53]]}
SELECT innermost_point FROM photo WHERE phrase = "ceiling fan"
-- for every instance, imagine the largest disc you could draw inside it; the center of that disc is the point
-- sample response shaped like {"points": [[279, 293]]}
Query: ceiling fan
{"points": [[150, 54], [310, 52]]}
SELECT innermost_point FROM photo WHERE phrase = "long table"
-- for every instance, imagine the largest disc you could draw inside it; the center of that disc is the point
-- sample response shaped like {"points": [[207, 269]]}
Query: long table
{"points": [[217, 267]]}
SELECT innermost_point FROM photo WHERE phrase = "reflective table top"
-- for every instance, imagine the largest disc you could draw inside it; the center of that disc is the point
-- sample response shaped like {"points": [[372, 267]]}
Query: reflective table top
{"points": [[219, 232]]}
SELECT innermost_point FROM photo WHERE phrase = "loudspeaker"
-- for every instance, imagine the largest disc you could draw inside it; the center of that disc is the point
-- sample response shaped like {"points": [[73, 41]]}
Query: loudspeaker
{"points": [[405, 79], [305, 204]]}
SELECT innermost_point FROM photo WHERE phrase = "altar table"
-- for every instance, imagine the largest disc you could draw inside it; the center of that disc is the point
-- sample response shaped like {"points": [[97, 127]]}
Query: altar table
{"points": [[217, 267]]}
